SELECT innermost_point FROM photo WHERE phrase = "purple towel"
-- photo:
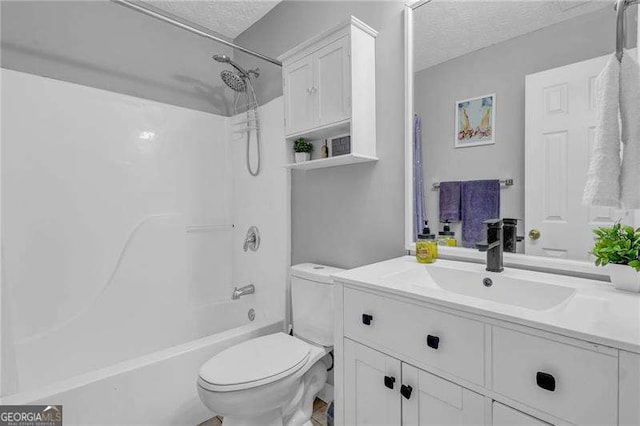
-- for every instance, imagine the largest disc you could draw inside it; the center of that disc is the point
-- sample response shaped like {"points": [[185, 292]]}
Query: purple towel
{"points": [[449, 201], [480, 201]]}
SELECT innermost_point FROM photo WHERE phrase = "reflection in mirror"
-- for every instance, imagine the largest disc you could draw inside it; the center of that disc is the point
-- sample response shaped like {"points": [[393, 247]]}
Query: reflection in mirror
{"points": [[505, 115]]}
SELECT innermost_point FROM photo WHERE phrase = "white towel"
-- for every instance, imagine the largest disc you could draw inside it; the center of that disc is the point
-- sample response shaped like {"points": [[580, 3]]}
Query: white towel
{"points": [[630, 134], [603, 179]]}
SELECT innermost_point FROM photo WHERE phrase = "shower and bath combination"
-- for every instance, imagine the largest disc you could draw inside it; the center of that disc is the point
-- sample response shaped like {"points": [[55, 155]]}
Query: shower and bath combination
{"points": [[240, 82]]}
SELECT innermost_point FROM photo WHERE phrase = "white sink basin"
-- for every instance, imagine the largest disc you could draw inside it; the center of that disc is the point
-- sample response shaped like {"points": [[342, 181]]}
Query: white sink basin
{"points": [[505, 289]]}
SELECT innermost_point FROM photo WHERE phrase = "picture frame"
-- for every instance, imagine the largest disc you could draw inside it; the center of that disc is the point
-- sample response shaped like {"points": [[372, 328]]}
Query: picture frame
{"points": [[475, 122]]}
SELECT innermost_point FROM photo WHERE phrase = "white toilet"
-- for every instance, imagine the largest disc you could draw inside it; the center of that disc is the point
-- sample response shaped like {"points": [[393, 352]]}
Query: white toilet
{"points": [[273, 379]]}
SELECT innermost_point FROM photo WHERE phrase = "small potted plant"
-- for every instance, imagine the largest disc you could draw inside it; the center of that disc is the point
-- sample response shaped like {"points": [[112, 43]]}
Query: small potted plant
{"points": [[618, 247], [302, 150]]}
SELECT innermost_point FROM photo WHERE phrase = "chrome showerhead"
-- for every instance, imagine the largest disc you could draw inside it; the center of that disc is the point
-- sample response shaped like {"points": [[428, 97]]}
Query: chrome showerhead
{"points": [[234, 80], [241, 71]]}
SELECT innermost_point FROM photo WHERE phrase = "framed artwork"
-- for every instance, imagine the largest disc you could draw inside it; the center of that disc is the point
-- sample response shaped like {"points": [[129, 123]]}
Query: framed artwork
{"points": [[475, 121]]}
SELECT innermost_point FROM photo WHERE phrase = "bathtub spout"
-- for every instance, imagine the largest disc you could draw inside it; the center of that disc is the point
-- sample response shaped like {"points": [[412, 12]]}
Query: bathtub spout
{"points": [[242, 291]]}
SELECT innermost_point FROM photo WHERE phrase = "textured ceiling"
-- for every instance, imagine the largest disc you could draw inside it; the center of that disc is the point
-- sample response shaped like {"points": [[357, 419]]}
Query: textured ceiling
{"points": [[225, 17], [446, 29]]}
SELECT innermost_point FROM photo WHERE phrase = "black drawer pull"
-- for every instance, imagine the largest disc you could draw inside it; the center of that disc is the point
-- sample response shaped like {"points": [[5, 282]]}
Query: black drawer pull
{"points": [[366, 319], [433, 341], [389, 381], [406, 391], [546, 381]]}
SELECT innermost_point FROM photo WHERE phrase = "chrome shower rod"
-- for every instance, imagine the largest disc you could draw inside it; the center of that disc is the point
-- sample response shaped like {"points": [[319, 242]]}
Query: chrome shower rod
{"points": [[193, 28]]}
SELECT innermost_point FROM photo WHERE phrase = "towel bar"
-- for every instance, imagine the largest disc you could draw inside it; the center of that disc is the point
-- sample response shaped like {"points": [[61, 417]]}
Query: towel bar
{"points": [[505, 182]]}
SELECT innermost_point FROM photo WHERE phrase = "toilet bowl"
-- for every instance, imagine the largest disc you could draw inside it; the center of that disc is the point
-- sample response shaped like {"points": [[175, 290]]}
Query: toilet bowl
{"points": [[274, 379], [269, 380]]}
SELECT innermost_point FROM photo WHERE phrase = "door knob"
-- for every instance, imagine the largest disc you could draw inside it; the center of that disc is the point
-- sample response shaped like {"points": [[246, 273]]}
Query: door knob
{"points": [[534, 234]]}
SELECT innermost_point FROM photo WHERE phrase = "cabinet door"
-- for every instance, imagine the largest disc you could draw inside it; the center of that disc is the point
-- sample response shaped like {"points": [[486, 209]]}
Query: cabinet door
{"points": [[629, 391], [435, 401], [332, 82], [369, 399], [507, 416], [298, 92]]}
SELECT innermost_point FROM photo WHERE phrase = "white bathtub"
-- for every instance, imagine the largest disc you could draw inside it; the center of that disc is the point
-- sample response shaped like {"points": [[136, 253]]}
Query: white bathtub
{"points": [[154, 389]]}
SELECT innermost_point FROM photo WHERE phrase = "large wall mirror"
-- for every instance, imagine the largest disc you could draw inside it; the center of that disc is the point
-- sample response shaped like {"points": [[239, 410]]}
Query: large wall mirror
{"points": [[504, 113]]}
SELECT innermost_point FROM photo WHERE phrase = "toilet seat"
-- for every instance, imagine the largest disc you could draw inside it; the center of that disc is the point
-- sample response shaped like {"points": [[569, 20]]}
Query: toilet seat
{"points": [[254, 362]]}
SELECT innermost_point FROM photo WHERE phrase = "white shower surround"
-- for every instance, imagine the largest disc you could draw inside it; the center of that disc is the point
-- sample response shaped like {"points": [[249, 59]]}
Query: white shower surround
{"points": [[117, 215]]}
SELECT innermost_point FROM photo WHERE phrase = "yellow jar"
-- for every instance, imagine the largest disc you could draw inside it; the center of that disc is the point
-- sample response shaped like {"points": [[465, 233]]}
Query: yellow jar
{"points": [[426, 249], [447, 237], [447, 240]]}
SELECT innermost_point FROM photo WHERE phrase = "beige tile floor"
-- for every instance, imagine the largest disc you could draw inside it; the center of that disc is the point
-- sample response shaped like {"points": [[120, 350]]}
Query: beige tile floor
{"points": [[318, 418], [214, 421]]}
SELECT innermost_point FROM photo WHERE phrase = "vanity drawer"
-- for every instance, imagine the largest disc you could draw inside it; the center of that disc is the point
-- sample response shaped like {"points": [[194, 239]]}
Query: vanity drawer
{"points": [[430, 338], [571, 383]]}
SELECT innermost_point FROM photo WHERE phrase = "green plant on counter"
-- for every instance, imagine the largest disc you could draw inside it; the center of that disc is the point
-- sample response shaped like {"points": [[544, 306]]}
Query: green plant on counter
{"points": [[300, 145], [617, 244]]}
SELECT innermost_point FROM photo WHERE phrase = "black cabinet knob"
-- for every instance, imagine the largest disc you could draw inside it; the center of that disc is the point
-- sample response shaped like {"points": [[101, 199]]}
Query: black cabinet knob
{"points": [[389, 381], [366, 319], [433, 341], [546, 381], [406, 391]]}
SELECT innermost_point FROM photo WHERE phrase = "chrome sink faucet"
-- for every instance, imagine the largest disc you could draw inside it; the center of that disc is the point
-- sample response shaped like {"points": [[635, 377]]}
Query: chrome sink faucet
{"points": [[493, 246], [242, 291]]}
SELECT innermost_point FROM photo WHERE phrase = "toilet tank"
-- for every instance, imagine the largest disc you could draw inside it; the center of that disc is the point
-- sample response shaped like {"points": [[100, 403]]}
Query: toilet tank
{"points": [[312, 302]]}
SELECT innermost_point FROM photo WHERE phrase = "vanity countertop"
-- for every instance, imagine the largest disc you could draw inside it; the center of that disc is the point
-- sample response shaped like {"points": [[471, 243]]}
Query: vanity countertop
{"points": [[589, 310]]}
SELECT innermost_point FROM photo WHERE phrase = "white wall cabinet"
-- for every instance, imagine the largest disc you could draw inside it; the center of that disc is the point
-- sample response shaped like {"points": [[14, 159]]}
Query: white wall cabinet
{"points": [[316, 88], [299, 105], [329, 91], [503, 374]]}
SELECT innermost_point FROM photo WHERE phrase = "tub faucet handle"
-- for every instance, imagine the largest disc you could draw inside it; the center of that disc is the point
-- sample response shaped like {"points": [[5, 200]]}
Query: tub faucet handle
{"points": [[252, 240]]}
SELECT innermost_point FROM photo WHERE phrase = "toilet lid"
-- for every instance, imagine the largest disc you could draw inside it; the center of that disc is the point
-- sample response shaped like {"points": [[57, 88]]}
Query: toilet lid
{"points": [[255, 362]]}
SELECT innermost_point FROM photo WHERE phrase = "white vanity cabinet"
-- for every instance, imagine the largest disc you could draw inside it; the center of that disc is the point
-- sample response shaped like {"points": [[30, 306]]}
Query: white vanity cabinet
{"points": [[403, 361], [435, 401], [379, 389], [329, 91], [507, 416], [371, 383]]}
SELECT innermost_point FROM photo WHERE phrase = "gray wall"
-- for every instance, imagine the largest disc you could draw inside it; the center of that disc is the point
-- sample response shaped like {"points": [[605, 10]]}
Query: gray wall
{"points": [[499, 69], [351, 215], [107, 46]]}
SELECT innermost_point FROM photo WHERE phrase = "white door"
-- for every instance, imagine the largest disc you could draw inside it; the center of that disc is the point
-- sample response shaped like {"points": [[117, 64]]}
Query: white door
{"points": [[299, 95], [507, 416], [560, 129], [332, 82], [435, 401], [371, 387]]}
